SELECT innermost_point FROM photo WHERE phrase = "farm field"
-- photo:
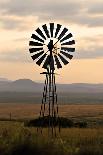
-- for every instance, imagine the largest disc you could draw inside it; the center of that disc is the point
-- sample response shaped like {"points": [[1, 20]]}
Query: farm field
{"points": [[17, 139], [29, 111]]}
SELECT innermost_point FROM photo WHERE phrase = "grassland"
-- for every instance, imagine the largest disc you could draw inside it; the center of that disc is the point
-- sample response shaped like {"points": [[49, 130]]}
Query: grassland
{"points": [[16, 139], [29, 111]]}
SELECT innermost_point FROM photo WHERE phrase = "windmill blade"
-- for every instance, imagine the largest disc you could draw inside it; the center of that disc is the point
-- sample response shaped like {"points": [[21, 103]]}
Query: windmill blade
{"points": [[69, 43], [57, 62], [37, 38], [37, 55], [62, 33], [57, 30], [46, 30], [32, 50], [68, 49], [41, 59], [51, 29], [40, 33], [47, 61], [66, 37], [63, 59], [67, 55], [32, 43]]}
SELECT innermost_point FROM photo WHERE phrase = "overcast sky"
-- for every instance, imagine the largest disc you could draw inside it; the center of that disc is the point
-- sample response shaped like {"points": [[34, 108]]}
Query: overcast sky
{"points": [[18, 18]]}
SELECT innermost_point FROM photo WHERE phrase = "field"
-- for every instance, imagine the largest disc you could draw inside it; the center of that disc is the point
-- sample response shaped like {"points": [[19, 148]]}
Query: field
{"points": [[29, 111], [16, 139]]}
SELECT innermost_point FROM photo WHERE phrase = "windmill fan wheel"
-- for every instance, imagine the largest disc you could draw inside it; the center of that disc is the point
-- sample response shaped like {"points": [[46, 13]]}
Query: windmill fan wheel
{"points": [[53, 45]]}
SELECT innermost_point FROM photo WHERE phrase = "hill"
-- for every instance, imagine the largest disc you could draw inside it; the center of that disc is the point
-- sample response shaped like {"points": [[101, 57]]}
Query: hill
{"points": [[28, 91], [27, 85]]}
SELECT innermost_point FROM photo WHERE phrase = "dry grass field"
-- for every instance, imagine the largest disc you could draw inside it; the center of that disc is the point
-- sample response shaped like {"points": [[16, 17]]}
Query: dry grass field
{"points": [[17, 139], [28, 111]]}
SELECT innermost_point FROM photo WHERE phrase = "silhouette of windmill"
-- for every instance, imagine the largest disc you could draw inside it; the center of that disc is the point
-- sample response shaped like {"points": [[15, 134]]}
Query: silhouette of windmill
{"points": [[51, 46]]}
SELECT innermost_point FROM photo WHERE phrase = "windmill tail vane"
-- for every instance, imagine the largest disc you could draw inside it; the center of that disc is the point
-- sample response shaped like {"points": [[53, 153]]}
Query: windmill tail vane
{"points": [[51, 46]]}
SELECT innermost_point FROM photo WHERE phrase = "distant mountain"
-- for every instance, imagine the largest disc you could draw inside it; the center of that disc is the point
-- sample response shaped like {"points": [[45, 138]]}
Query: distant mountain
{"points": [[28, 91], [21, 85], [81, 88], [27, 85], [4, 79]]}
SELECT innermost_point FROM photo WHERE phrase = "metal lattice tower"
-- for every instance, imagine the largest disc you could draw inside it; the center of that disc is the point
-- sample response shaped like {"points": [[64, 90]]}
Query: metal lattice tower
{"points": [[52, 46], [49, 106]]}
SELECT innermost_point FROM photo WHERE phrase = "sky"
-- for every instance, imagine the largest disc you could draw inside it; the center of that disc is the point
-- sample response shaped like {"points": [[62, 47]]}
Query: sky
{"points": [[19, 18]]}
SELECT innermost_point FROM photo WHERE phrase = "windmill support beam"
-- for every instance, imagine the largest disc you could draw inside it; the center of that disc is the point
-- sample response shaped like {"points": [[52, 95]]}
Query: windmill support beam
{"points": [[49, 101]]}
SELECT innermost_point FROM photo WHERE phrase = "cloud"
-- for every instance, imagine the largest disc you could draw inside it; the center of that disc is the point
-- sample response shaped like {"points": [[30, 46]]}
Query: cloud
{"points": [[40, 7], [22, 15], [20, 55], [76, 12], [96, 8], [91, 48], [11, 23], [17, 22], [89, 21], [89, 54]]}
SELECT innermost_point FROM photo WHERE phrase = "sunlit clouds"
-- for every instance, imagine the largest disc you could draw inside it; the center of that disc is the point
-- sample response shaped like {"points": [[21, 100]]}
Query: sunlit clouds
{"points": [[84, 18]]}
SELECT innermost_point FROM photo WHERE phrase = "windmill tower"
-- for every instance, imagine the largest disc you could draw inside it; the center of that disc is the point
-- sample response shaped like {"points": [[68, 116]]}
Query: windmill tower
{"points": [[51, 46]]}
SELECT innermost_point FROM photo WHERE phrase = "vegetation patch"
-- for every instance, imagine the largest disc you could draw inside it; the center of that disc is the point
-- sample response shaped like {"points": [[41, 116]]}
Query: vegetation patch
{"points": [[60, 121], [16, 139]]}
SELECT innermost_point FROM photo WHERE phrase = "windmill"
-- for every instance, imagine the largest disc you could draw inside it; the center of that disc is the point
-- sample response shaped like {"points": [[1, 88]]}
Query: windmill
{"points": [[51, 46]]}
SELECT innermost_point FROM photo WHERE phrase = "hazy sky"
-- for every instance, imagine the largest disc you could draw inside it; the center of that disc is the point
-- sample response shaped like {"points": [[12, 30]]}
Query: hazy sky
{"points": [[18, 18]]}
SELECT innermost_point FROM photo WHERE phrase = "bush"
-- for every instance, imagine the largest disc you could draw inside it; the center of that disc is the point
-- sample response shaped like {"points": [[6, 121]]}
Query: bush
{"points": [[44, 121], [60, 121], [81, 124]]}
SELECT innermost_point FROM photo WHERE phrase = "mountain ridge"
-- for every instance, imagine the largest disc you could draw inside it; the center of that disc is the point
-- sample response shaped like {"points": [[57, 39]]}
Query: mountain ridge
{"points": [[28, 91], [27, 85]]}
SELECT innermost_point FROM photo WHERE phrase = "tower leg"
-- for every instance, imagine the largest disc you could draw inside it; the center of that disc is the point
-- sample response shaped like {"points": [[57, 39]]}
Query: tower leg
{"points": [[49, 107]]}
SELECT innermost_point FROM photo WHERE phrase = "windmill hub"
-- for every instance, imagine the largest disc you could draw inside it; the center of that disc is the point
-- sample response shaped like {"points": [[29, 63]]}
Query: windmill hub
{"points": [[52, 45]]}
